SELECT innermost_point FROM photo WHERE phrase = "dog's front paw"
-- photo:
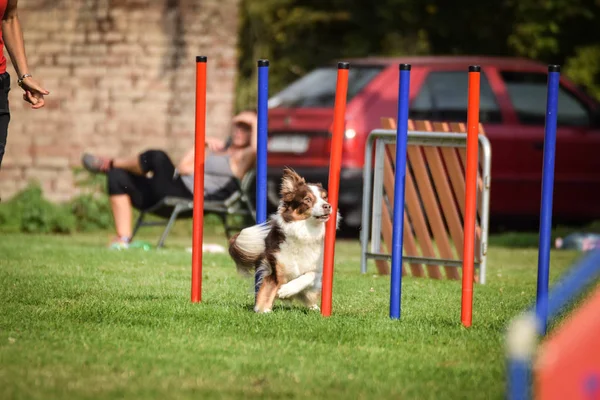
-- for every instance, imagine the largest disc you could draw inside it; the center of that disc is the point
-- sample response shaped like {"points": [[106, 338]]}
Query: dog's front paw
{"points": [[314, 307], [285, 291]]}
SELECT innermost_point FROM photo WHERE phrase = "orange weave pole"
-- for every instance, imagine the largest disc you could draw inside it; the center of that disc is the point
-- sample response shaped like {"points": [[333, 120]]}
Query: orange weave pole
{"points": [[335, 164], [470, 196], [198, 221]]}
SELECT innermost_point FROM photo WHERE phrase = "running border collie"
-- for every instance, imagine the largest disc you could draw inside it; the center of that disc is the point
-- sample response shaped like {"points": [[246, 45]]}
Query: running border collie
{"points": [[287, 250]]}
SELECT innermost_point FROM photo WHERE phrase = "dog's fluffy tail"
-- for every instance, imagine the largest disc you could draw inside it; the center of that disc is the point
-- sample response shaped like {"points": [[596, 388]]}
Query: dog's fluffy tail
{"points": [[248, 246]]}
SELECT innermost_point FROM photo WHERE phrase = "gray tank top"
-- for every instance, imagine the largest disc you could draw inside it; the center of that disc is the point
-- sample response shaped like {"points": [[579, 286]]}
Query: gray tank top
{"points": [[217, 174]]}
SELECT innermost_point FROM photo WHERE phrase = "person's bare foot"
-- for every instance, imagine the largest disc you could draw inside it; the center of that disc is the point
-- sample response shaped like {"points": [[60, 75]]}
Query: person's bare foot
{"points": [[96, 164]]}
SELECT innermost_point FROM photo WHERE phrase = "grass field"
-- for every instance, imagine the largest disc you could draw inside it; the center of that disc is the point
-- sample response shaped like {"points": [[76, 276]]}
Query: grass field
{"points": [[79, 321]]}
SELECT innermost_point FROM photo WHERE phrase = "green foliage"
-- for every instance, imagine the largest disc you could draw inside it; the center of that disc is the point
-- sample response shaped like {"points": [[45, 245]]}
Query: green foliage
{"points": [[541, 28], [92, 212], [30, 212], [88, 182], [584, 68], [92, 207]]}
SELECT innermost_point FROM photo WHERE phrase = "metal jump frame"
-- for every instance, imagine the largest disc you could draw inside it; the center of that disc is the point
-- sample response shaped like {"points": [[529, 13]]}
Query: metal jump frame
{"points": [[418, 138]]}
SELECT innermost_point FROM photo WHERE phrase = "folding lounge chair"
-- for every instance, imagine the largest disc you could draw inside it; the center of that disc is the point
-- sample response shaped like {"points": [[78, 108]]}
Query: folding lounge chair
{"points": [[239, 203]]}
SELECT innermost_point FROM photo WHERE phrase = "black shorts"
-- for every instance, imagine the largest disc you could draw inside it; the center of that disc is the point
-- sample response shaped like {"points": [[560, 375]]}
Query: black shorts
{"points": [[4, 112], [146, 191]]}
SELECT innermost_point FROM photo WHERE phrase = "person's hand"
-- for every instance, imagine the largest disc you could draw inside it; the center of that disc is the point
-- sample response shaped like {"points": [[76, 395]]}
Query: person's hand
{"points": [[215, 144], [34, 93]]}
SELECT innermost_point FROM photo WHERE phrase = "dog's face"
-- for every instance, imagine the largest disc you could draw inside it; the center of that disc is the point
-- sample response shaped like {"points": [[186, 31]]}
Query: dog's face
{"points": [[302, 201]]}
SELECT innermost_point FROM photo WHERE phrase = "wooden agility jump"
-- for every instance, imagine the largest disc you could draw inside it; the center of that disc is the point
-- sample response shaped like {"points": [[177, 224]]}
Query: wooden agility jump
{"points": [[434, 205]]}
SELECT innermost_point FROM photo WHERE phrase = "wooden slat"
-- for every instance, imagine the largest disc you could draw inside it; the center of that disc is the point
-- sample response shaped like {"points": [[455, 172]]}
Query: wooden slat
{"points": [[387, 231], [411, 248], [409, 244], [459, 127], [383, 267], [416, 213], [418, 219], [446, 207], [454, 167], [443, 190], [449, 210], [432, 208]]}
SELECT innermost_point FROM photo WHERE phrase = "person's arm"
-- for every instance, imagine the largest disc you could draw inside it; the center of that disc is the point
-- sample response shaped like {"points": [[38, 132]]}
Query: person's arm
{"points": [[13, 40], [254, 135], [247, 158], [186, 165]]}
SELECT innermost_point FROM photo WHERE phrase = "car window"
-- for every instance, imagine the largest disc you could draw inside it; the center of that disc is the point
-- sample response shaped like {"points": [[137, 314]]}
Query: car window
{"points": [[317, 88], [528, 92], [444, 97]]}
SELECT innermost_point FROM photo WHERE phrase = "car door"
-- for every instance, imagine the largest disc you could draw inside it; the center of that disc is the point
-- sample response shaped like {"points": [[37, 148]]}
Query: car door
{"points": [[577, 159]]}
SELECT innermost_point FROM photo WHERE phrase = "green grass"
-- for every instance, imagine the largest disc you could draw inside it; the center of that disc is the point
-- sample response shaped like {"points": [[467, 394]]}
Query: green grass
{"points": [[79, 321]]}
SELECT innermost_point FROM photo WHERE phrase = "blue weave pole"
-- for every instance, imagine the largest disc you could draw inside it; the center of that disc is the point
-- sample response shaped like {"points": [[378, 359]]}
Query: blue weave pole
{"points": [[547, 192], [519, 376], [261, 150], [399, 186], [585, 272]]}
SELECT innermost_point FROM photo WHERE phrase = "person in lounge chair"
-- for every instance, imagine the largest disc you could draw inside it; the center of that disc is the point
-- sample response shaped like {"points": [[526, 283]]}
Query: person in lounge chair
{"points": [[143, 180]]}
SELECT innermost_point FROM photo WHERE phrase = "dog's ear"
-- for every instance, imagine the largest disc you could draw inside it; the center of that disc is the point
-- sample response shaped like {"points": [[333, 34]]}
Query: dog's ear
{"points": [[290, 182]]}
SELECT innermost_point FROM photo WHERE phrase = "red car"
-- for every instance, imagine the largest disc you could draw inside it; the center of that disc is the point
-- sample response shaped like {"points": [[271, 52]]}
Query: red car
{"points": [[512, 110]]}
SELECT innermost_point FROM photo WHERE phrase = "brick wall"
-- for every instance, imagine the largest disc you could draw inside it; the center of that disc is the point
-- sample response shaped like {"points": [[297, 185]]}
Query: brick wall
{"points": [[121, 75]]}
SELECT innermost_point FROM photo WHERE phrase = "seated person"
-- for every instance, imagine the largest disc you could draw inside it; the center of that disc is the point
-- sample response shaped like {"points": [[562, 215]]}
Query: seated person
{"points": [[143, 180]]}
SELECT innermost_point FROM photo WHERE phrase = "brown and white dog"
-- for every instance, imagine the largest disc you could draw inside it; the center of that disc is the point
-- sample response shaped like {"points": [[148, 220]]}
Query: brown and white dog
{"points": [[288, 249]]}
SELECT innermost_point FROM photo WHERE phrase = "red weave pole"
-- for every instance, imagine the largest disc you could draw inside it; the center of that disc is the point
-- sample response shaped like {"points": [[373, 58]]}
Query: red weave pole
{"points": [[470, 196], [335, 165], [199, 143]]}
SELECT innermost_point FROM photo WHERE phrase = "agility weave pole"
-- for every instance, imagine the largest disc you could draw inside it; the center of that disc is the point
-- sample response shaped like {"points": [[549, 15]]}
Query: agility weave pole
{"points": [[470, 197], [547, 194], [261, 150], [199, 158], [567, 364], [399, 190], [335, 164]]}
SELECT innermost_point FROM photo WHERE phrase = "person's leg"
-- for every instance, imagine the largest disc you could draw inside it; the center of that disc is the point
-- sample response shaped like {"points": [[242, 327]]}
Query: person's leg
{"points": [[4, 120], [4, 112], [120, 205], [126, 190], [98, 164], [162, 181], [131, 164], [156, 161]]}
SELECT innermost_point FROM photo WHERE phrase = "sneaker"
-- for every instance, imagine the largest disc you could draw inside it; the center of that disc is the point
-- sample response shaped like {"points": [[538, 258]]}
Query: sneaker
{"points": [[96, 164], [119, 244]]}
